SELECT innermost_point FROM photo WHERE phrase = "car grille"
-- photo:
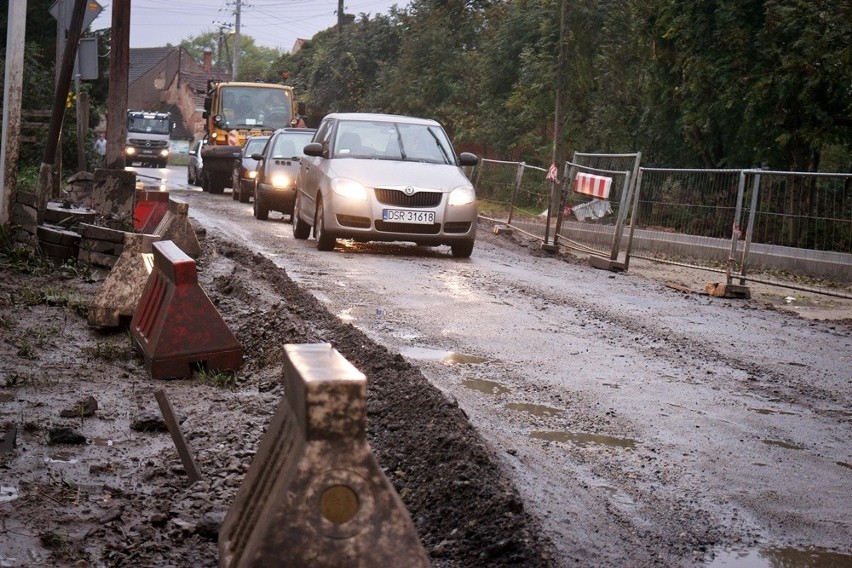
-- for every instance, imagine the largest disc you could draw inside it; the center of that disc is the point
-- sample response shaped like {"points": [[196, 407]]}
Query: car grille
{"points": [[410, 228], [400, 199], [148, 143]]}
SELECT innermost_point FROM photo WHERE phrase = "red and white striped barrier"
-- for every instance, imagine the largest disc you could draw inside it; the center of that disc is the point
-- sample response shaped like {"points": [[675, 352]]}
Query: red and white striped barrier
{"points": [[590, 184]]}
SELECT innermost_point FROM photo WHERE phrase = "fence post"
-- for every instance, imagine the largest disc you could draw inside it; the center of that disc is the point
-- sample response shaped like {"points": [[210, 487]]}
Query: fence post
{"points": [[755, 193], [634, 215], [622, 213]]}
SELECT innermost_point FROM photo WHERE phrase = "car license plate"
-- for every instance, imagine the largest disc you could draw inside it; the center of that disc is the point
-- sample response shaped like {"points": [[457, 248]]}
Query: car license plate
{"points": [[407, 216]]}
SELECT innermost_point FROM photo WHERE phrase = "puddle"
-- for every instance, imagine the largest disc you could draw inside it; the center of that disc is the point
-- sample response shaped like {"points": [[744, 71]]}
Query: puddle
{"points": [[445, 357], [534, 409], [780, 558], [771, 411], [350, 315], [844, 464], [782, 444], [582, 439], [61, 457], [488, 387]]}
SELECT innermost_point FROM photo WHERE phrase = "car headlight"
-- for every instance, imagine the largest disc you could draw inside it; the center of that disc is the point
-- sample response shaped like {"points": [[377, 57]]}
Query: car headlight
{"points": [[252, 175], [164, 153], [349, 188], [462, 195], [130, 150], [280, 181]]}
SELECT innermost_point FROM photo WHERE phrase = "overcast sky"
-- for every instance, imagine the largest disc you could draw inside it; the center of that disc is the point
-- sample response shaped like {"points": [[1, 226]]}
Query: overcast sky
{"points": [[272, 23]]}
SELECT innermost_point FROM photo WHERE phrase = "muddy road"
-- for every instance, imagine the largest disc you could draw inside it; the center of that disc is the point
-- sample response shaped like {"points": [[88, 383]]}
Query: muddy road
{"points": [[636, 421]]}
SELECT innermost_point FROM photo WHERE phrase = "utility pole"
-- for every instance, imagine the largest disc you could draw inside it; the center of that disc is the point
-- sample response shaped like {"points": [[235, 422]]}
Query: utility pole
{"points": [[339, 16], [236, 41], [558, 159], [119, 66]]}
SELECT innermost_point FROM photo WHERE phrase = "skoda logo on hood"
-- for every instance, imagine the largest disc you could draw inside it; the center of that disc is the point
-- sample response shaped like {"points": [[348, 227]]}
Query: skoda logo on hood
{"points": [[409, 190]]}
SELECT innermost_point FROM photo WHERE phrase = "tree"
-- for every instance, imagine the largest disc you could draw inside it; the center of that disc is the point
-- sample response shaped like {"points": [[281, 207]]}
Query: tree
{"points": [[256, 62]]}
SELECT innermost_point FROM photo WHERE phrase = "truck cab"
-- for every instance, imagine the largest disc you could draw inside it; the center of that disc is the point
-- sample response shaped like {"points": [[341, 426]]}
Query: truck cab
{"points": [[148, 135]]}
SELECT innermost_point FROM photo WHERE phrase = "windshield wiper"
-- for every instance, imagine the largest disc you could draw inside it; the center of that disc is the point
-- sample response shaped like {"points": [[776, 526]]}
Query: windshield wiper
{"points": [[399, 140], [447, 159]]}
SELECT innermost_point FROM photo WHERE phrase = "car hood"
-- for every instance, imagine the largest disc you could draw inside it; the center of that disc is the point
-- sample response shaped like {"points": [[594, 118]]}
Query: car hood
{"points": [[395, 173]]}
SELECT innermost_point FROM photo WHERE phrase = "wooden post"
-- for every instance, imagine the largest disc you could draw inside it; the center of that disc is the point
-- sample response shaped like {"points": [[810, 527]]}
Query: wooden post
{"points": [[45, 177], [119, 63]]}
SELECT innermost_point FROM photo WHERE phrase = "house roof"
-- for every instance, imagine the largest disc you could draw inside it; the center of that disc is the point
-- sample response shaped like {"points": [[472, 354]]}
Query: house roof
{"points": [[141, 59]]}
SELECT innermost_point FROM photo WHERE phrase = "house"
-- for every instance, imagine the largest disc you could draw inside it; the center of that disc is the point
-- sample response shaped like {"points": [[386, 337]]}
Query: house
{"points": [[168, 79]]}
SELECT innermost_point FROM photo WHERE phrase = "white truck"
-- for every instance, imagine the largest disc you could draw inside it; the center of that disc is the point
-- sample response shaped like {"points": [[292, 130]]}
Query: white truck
{"points": [[148, 136]]}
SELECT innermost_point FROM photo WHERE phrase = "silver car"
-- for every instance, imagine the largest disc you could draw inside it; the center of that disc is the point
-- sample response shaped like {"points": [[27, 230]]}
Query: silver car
{"points": [[378, 177], [242, 180], [277, 166], [193, 167]]}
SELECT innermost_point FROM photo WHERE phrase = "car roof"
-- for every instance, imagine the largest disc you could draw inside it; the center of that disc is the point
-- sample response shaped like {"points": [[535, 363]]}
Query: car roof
{"points": [[378, 117], [292, 129]]}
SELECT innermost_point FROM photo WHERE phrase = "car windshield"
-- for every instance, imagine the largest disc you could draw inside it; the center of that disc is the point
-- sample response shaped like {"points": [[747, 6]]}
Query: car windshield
{"points": [[269, 107], [393, 141], [255, 145], [149, 124], [290, 144]]}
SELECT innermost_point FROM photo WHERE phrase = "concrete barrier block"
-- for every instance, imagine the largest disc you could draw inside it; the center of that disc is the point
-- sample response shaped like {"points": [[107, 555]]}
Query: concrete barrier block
{"points": [[176, 327], [150, 208], [722, 290], [122, 290], [315, 494], [175, 227]]}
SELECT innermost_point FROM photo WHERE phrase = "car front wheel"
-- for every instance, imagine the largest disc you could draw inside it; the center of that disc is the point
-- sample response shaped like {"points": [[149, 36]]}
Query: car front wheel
{"points": [[462, 250], [301, 230], [325, 242], [261, 213]]}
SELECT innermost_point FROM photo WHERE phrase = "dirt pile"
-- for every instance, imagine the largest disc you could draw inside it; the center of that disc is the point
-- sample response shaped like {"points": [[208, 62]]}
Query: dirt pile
{"points": [[119, 496]]}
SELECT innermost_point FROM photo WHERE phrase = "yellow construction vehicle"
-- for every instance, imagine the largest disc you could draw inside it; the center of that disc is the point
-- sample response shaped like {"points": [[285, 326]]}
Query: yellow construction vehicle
{"points": [[235, 111]]}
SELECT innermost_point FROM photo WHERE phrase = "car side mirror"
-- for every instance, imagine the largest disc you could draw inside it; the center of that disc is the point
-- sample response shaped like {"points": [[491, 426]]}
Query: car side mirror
{"points": [[257, 156], [468, 159], [313, 149]]}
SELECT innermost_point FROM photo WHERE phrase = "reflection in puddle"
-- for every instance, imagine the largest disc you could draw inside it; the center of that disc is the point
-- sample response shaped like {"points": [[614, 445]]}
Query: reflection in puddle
{"points": [[782, 444], [780, 557], [488, 387], [61, 457], [534, 409], [445, 357], [582, 439]]}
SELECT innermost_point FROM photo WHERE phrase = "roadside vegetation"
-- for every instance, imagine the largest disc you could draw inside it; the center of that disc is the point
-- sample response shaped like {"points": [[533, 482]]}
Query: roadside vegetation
{"points": [[711, 84]]}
